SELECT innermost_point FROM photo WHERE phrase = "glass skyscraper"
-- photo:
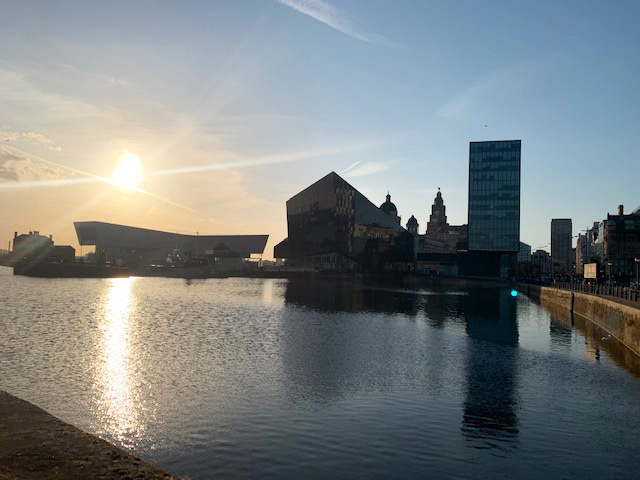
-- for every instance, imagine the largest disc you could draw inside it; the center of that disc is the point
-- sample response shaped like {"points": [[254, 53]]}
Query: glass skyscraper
{"points": [[494, 196]]}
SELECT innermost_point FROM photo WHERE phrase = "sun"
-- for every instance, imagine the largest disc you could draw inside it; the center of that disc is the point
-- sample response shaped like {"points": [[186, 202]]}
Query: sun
{"points": [[128, 172]]}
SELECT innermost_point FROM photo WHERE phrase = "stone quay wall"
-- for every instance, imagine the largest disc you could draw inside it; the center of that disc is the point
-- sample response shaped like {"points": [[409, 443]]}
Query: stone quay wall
{"points": [[621, 321]]}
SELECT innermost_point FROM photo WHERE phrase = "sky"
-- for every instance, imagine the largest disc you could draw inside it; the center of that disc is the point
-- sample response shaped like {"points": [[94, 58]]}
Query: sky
{"points": [[235, 106]]}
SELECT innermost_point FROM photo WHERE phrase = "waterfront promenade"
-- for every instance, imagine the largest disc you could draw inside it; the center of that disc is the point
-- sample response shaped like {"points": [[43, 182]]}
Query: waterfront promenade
{"points": [[626, 295], [37, 445]]}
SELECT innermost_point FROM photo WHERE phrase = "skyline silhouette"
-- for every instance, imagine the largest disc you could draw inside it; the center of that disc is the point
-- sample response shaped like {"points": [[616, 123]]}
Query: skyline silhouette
{"points": [[232, 108]]}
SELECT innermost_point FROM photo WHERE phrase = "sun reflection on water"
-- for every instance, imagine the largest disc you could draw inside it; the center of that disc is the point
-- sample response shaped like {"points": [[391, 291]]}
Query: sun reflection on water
{"points": [[119, 404], [267, 291]]}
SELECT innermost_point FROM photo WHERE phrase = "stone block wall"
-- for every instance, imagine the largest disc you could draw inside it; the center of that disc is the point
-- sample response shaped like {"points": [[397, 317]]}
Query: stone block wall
{"points": [[621, 321]]}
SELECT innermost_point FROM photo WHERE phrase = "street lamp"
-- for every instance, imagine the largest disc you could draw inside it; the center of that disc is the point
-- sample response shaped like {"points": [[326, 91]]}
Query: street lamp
{"points": [[609, 264], [637, 260]]}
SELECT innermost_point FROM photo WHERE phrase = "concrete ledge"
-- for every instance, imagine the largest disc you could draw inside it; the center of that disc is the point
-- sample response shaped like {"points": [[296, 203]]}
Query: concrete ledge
{"points": [[37, 445], [619, 320], [596, 338]]}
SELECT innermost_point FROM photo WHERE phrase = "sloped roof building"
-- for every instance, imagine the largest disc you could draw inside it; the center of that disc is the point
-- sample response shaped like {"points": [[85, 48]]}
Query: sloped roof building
{"points": [[145, 247], [333, 226]]}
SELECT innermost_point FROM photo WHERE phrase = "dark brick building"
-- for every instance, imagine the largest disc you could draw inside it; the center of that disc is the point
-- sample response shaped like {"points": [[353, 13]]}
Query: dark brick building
{"points": [[622, 243]]}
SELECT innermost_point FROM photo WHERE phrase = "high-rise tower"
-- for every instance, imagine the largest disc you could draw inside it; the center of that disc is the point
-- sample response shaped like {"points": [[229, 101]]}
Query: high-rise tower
{"points": [[494, 196], [494, 200], [561, 251]]}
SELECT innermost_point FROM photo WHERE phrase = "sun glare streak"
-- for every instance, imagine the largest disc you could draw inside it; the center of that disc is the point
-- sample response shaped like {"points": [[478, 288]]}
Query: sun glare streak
{"points": [[184, 207], [271, 159], [45, 183], [128, 172], [119, 405], [56, 164], [89, 178]]}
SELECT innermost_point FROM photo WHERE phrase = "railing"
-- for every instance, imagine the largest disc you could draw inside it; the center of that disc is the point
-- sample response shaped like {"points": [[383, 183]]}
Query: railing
{"points": [[625, 293]]}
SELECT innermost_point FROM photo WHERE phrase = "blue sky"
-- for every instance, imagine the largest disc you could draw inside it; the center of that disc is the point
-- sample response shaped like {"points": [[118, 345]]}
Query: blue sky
{"points": [[236, 106]]}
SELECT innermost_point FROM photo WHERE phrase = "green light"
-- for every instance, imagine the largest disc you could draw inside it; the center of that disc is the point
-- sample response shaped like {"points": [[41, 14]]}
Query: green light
{"points": [[514, 293]]}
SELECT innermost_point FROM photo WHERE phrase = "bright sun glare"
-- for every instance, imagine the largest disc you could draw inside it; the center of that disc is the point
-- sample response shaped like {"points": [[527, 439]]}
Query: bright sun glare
{"points": [[128, 173]]}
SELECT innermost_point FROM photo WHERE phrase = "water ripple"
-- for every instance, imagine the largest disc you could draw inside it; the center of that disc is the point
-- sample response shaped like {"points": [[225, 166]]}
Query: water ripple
{"points": [[238, 378]]}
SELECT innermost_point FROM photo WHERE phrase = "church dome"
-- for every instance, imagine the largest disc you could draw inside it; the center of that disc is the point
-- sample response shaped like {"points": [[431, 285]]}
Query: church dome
{"points": [[388, 207], [412, 221]]}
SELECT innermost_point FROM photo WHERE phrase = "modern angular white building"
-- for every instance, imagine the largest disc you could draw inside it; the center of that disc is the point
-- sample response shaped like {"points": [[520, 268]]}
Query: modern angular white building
{"points": [[146, 247]]}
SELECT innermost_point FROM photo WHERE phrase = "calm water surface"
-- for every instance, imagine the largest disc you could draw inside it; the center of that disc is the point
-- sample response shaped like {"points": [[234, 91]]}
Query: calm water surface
{"points": [[240, 378]]}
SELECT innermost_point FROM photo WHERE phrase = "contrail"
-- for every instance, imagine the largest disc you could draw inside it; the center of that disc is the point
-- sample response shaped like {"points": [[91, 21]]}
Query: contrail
{"points": [[350, 167], [270, 159], [325, 12]]}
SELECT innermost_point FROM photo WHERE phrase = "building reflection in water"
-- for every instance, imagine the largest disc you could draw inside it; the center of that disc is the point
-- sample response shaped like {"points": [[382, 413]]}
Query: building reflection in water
{"points": [[596, 340], [332, 356], [328, 296], [561, 336], [490, 410], [444, 307], [328, 350], [116, 364]]}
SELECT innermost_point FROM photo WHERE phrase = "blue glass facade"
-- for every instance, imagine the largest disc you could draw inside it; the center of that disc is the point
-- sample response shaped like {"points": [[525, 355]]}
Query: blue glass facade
{"points": [[494, 196]]}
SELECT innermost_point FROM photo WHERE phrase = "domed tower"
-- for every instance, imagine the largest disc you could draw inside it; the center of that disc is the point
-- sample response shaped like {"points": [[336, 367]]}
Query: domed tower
{"points": [[412, 226], [390, 209]]}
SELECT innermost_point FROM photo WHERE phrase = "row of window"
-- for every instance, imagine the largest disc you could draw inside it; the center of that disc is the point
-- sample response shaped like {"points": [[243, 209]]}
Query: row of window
{"points": [[489, 217], [495, 234], [479, 160], [489, 201], [493, 200], [494, 146], [502, 246], [480, 187], [494, 174]]}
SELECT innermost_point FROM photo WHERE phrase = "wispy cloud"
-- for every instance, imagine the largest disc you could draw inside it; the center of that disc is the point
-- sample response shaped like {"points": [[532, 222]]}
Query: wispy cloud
{"points": [[495, 82], [19, 171], [30, 137], [335, 18], [16, 168], [14, 158]]}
